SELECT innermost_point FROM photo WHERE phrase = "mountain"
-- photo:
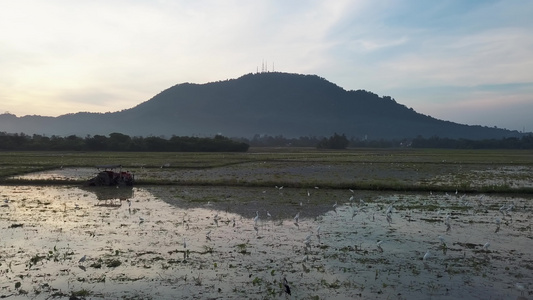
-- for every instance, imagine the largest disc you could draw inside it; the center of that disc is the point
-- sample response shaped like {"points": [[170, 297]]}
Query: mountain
{"points": [[291, 105]]}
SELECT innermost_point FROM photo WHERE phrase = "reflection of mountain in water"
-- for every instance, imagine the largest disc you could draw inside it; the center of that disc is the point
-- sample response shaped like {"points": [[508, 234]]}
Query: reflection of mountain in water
{"points": [[281, 204]]}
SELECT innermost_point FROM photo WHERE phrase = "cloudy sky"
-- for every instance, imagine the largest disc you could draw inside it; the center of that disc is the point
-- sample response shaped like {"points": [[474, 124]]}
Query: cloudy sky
{"points": [[469, 61]]}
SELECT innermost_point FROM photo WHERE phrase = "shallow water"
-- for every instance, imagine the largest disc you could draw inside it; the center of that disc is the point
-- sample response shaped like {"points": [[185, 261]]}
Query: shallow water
{"points": [[138, 251]]}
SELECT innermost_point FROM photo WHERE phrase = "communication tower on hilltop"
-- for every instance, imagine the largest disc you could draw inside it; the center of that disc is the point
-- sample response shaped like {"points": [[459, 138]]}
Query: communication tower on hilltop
{"points": [[264, 67]]}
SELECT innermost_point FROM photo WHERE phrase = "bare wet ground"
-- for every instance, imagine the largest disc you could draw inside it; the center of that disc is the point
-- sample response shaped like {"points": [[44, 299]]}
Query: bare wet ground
{"points": [[202, 242], [426, 176]]}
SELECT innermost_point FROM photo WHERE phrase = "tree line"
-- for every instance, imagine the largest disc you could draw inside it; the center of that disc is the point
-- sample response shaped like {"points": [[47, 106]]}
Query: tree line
{"points": [[525, 142], [341, 142], [119, 142]]}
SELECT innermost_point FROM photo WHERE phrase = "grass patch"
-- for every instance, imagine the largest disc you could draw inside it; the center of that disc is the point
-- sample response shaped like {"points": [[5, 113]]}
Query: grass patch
{"points": [[437, 170]]}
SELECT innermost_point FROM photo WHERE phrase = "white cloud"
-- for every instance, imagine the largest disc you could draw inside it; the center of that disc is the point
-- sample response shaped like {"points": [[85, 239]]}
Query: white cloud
{"points": [[63, 56]]}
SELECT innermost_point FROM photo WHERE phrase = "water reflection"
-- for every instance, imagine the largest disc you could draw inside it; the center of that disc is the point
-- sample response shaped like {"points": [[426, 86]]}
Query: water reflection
{"points": [[110, 196], [181, 242]]}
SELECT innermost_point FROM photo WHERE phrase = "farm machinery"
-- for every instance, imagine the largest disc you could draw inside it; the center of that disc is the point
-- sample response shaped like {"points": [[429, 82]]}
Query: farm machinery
{"points": [[109, 177]]}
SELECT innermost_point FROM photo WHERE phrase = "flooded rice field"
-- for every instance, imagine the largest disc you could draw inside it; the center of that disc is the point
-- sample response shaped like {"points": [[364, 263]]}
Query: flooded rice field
{"points": [[168, 242]]}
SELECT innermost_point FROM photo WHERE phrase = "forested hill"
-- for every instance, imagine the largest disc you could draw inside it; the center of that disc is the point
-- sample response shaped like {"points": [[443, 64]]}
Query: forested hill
{"points": [[291, 105]]}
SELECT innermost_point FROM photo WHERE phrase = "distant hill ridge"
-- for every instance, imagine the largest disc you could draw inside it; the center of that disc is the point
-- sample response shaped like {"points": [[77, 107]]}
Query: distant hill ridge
{"points": [[273, 103]]}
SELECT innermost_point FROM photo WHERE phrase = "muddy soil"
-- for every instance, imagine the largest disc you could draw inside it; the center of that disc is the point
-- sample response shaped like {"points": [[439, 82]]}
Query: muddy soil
{"points": [[425, 176], [186, 242]]}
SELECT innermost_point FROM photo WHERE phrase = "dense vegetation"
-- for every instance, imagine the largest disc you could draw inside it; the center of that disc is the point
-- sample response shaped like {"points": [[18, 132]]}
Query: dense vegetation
{"points": [[341, 142], [525, 142], [119, 142]]}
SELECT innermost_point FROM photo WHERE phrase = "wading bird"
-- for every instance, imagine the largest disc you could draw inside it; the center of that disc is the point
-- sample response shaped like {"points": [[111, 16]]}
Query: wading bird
{"points": [[286, 285], [82, 260], [520, 286], [379, 246], [389, 210], [354, 213], [426, 256], [486, 246]]}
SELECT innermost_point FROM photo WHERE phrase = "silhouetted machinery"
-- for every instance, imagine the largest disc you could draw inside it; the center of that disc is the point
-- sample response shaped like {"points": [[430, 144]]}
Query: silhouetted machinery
{"points": [[109, 177]]}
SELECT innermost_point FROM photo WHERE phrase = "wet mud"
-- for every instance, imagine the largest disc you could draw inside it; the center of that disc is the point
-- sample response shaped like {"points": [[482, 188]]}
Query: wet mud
{"points": [[168, 242]]}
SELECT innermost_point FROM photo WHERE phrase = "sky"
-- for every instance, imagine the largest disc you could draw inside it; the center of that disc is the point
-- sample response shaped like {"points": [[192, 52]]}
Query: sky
{"points": [[464, 61]]}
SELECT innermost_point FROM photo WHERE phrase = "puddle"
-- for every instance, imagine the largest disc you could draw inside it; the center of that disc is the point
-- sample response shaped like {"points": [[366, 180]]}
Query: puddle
{"points": [[202, 242]]}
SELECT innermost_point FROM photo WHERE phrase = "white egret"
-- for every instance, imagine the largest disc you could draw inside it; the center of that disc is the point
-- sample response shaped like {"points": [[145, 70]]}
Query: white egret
{"points": [[268, 214], [378, 244], [297, 217], [354, 213], [389, 219], [318, 230], [307, 241], [520, 286], [503, 210], [426, 256], [389, 210], [256, 219], [486, 246], [308, 237]]}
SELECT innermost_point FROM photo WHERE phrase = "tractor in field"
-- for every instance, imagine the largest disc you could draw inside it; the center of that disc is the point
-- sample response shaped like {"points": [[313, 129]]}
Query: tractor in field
{"points": [[109, 177]]}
